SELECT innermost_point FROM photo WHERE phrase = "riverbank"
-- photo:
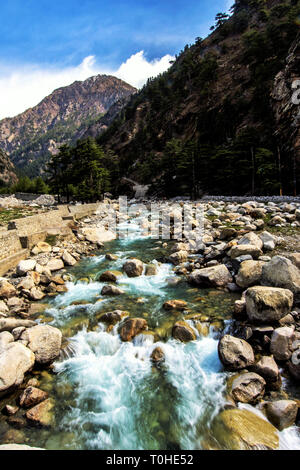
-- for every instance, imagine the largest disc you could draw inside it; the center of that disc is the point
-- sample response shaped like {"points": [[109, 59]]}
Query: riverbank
{"points": [[173, 300]]}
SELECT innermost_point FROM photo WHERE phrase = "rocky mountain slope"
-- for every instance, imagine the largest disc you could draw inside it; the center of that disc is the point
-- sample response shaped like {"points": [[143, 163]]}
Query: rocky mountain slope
{"points": [[62, 117], [7, 170], [212, 120]]}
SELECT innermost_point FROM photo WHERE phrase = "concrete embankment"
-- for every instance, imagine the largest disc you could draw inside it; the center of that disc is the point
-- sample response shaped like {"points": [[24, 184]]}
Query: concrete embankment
{"points": [[20, 235]]}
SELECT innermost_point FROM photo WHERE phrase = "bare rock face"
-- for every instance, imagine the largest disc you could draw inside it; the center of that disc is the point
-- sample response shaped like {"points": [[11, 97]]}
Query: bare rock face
{"points": [[32, 396], [7, 170], [282, 413], [281, 343], [44, 341], [235, 353], [264, 304], [248, 388], [15, 361], [183, 332], [216, 276], [133, 268], [132, 327]]}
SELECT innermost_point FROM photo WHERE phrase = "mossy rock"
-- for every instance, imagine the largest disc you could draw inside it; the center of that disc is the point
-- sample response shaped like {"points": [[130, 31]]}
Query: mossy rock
{"points": [[242, 430]]}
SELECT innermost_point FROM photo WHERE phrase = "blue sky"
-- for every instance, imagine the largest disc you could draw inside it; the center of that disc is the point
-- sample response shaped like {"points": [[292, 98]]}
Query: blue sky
{"points": [[72, 38]]}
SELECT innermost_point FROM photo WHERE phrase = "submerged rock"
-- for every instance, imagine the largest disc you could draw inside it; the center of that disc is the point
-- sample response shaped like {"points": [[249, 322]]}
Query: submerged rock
{"points": [[112, 318], [265, 304], [157, 355], [111, 290], [235, 353], [237, 429], [175, 305], [132, 327]]}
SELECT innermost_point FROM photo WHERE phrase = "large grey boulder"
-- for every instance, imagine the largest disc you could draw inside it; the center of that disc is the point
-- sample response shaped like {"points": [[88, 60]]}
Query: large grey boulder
{"points": [[267, 368], [264, 304], [282, 413], [178, 257], [242, 250], [44, 341], [235, 353], [268, 240], [251, 239], [248, 388], [215, 276], [281, 272], [55, 264], [15, 361], [249, 273], [68, 259], [281, 343]]}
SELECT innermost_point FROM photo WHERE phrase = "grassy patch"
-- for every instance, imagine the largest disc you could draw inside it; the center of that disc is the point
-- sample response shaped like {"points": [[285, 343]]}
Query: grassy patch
{"points": [[6, 215]]}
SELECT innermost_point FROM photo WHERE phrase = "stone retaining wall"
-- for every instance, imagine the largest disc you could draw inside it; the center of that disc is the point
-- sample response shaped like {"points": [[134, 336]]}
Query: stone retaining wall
{"points": [[22, 234]]}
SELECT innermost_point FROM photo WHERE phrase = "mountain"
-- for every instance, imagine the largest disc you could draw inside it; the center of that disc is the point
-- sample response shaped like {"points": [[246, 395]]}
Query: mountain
{"points": [[7, 170], [61, 118], [218, 120]]}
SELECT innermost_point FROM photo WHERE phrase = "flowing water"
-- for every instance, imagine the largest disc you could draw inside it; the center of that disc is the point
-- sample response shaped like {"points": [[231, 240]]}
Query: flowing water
{"points": [[108, 394]]}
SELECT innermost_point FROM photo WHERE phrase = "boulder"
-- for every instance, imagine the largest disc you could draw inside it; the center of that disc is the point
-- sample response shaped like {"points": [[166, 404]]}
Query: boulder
{"points": [[248, 388], [264, 304], [111, 290], [282, 413], [175, 305], [41, 247], [267, 368], [55, 264], [249, 273], [281, 272], [25, 266], [110, 276], [36, 294], [3, 307], [9, 324], [112, 318], [281, 343], [178, 257], [151, 270], [295, 259], [42, 415], [238, 429], [32, 396], [6, 290], [132, 327], [6, 338], [251, 239], [98, 235], [111, 257], [183, 332], [44, 341], [269, 241], [26, 284], [15, 361], [242, 250], [235, 353], [216, 276], [157, 355], [68, 259], [133, 268]]}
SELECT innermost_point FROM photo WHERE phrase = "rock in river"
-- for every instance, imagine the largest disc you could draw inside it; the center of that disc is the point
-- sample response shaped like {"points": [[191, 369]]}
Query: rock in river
{"points": [[248, 388], [175, 305], [235, 353], [15, 361], [44, 341], [133, 268], [32, 396], [132, 327], [111, 290], [242, 430], [265, 304], [42, 415], [183, 332], [282, 413], [216, 276]]}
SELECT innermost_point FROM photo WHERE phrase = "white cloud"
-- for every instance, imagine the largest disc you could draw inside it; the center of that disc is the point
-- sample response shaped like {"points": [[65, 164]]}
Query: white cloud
{"points": [[25, 86]]}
